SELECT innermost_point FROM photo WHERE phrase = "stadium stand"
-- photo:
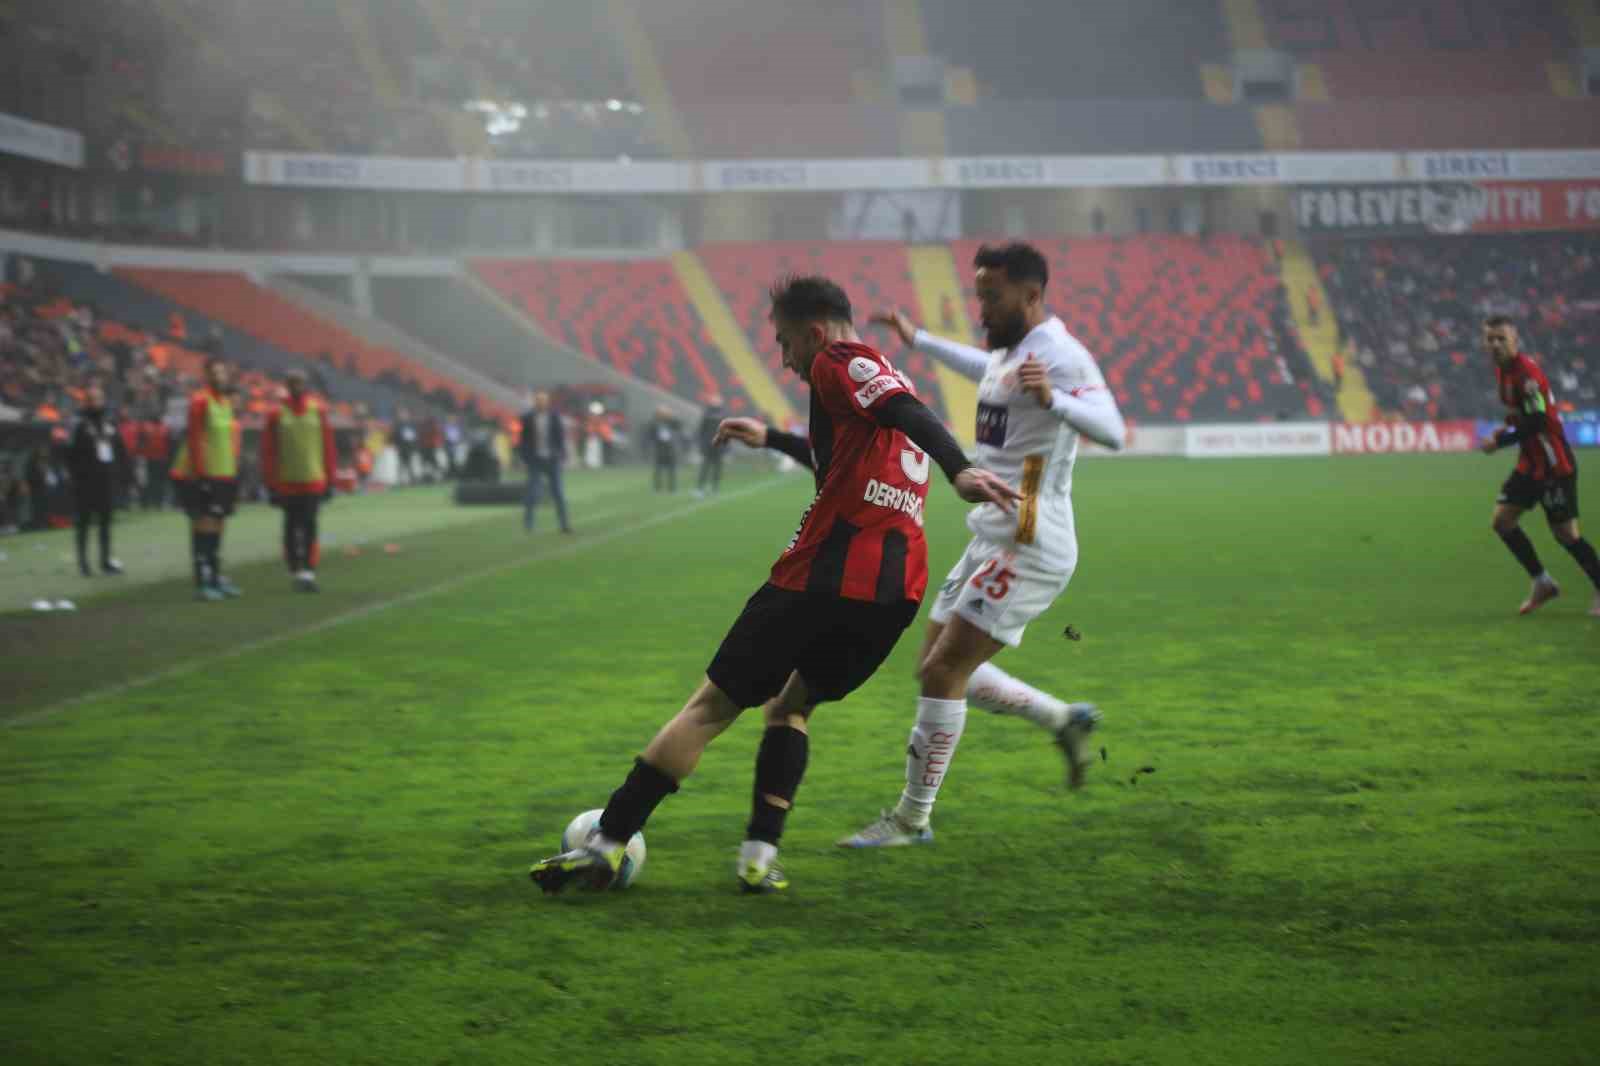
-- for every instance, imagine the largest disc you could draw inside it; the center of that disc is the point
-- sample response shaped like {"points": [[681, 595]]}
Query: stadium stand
{"points": [[148, 318], [1442, 123], [1412, 309], [631, 314], [734, 69], [1021, 50], [1185, 328], [875, 274], [234, 300], [1426, 48], [999, 127]]}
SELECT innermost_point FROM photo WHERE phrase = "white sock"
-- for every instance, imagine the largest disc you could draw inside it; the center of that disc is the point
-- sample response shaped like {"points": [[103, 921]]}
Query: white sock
{"points": [[1544, 578], [933, 744], [996, 691], [757, 851]]}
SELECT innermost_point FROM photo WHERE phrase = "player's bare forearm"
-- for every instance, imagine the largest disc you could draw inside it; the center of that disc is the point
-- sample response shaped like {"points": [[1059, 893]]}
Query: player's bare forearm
{"points": [[750, 431], [976, 485]]}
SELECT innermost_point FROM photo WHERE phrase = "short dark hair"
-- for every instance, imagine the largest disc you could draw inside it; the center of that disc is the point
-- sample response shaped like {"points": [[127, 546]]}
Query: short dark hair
{"points": [[807, 298], [1496, 321], [1021, 262], [216, 360]]}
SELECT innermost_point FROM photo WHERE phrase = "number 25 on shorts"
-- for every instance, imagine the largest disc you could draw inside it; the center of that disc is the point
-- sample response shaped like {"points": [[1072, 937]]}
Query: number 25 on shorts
{"points": [[994, 580]]}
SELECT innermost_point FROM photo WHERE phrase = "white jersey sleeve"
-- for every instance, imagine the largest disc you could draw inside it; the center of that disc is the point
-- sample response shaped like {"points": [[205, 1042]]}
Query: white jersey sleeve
{"points": [[962, 358], [1080, 397]]}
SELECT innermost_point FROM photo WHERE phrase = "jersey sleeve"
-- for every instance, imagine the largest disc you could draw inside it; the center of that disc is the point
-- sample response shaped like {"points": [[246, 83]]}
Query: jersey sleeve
{"points": [[854, 386], [1081, 398]]}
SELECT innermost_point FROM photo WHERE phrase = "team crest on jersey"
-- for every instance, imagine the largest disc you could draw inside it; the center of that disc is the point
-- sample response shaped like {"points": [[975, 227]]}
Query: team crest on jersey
{"points": [[863, 369], [992, 420]]}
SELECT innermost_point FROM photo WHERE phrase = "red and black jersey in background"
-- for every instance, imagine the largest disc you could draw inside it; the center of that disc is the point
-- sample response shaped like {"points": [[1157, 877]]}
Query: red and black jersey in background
{"points": [[1531, 414], [861, 538]]}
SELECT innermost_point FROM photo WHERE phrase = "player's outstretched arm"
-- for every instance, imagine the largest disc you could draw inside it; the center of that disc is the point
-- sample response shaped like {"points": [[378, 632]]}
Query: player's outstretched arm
{"points": [[962, 358], [757, 434], [922, 427], [1091, 411]]}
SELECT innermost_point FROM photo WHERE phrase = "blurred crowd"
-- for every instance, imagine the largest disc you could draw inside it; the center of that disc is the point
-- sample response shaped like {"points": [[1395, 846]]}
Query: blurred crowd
{"points": [[227, 75], [1411, 312], [52, 348]]}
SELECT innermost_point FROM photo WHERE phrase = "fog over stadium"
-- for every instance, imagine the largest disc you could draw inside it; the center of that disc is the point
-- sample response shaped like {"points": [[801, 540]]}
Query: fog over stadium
{"points": [[426, 425]]}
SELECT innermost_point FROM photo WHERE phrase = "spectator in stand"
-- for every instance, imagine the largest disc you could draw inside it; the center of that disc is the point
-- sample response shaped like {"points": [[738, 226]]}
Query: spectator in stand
{"points": [[711, 453], [155, 454], [47, 483], [432, 443], [98, 462], [405, 447]]}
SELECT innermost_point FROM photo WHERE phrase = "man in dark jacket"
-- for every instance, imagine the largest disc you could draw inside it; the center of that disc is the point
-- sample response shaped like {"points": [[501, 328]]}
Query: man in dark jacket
{"points": [[711, 452], [97, 460], [661, 437], [543, 448]]}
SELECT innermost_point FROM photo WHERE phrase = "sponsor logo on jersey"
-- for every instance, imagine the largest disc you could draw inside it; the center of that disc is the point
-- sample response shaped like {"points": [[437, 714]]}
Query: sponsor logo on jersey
{"points": [[877, 387], [992, 424], [863, 369], [904, 500]]}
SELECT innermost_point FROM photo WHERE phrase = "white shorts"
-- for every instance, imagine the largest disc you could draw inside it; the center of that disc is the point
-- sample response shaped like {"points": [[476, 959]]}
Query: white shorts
{"points": [[997, 590]]}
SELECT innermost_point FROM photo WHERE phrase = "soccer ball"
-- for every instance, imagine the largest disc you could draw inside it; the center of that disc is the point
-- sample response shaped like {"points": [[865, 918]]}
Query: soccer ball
{"points": [[578, 831]]}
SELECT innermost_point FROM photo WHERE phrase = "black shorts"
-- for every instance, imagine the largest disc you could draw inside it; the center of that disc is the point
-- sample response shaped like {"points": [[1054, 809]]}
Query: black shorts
{"points": [[835, 644], [207, 497], [1557, 495]]}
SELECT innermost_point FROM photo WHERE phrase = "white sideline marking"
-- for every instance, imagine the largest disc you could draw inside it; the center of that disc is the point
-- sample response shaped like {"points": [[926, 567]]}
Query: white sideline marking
{"points": [[383, 605]]}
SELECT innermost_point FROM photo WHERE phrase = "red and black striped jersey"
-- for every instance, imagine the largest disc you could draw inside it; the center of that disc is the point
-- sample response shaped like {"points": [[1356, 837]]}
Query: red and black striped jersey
{"points": [[1529, 402], [861, 538]]}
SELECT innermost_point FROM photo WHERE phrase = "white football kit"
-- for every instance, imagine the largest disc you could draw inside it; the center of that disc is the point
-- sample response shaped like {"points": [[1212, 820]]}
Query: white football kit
{"points": [[1017, 564]]}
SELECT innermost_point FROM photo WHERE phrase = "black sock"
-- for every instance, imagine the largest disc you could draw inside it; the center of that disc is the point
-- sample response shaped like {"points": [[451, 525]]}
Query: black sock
{"points": [[105, 541], [1522, 548], [197, 548], [631, 805], [291, 544], [83, 544], [216, 556], [208, 555], [1584, 552], [780, 764]]}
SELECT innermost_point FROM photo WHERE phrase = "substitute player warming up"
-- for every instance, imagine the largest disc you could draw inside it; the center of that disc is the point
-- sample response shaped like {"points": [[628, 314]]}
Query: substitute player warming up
{"points": [[1039, 390], [298, 462], [837, 600], [206, 473], [1547, 470]]}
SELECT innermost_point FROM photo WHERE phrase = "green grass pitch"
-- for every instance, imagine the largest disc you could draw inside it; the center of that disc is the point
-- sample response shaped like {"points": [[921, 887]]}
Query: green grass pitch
{"points": [[1372, 834]]}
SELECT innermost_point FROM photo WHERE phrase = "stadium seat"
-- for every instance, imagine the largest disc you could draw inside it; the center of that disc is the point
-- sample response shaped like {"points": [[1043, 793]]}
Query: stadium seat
{"points": [[632, 314], [875, 274], [235, 300], [1184, 328], [1412, 310]]}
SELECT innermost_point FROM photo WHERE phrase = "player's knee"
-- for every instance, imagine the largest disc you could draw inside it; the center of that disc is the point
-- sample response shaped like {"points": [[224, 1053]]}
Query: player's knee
{"points": [[777, 715], [1502, 523]]}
